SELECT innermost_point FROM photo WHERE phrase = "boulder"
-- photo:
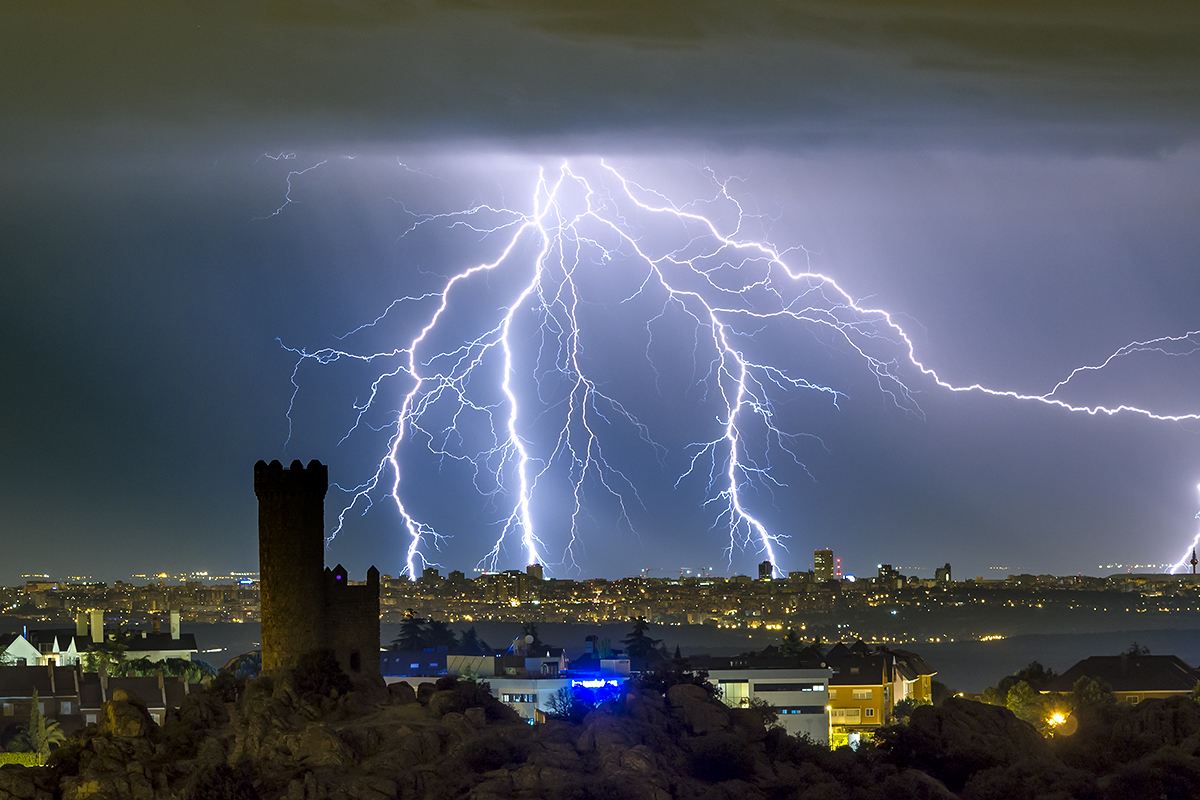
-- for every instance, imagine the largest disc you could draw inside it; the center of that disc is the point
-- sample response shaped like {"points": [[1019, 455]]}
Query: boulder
{"points": [[749, 723], [125, 719], [402, 692], [320, 747], [444, 702], [959, 738], [26, 783]]}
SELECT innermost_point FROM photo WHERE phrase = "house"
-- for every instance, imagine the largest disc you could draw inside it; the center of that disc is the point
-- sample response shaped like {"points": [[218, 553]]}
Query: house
{"points": [[1133, 677], [867, 683], [66, 646], [160, 694], [57, 687], [796, 687]]}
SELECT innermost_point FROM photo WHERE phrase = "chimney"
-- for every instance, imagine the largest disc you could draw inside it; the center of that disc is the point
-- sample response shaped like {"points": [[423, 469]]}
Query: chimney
{"points": [[174, 624], [81, 624], [97, 626]]}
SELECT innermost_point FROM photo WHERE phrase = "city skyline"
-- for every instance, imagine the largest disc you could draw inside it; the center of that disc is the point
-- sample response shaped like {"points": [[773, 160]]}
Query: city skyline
{"points": [[1024, 211]]}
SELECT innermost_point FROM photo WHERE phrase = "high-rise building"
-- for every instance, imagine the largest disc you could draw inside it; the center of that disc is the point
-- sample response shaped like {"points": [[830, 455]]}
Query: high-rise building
{"points": [[765, 570], [823, 565], [942, 574], [534, 571]]}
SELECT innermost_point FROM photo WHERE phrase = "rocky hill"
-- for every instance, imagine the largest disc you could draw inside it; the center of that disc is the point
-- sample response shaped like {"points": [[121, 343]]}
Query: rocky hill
{"points": [[308, 736]]}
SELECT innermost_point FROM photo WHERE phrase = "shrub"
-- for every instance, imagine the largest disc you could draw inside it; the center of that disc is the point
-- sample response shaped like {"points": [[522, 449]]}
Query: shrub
{"points": [[722, 757], [319, 675]]}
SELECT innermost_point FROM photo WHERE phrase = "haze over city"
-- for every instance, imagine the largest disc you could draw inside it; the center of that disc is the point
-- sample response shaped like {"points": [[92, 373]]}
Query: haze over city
{"points": [[1022, 210]]}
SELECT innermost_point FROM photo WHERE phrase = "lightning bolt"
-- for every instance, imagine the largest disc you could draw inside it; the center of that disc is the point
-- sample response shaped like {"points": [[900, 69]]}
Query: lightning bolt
{"points": [[731, 289], [1191, 548]]}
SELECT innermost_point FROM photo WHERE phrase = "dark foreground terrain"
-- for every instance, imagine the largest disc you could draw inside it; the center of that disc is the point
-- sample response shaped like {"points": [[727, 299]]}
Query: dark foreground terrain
{"points": [[307, 735]]}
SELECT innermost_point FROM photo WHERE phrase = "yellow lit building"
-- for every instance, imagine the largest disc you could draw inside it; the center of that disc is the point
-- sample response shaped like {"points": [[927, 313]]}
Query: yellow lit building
{"points": [[867, 683]]}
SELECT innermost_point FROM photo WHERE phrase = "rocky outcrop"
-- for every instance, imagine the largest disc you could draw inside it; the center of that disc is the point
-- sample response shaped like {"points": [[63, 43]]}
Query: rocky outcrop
{"points": [[960, 738]]}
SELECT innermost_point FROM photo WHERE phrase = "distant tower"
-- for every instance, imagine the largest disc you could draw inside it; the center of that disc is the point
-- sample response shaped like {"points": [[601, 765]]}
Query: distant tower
{"points": [[535, 572], [822, 565], [1193, 561], [765, 570], [291, 559]]}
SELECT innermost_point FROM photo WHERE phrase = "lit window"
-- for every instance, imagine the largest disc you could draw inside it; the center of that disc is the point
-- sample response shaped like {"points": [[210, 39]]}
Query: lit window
{"points": [[863, 694]]}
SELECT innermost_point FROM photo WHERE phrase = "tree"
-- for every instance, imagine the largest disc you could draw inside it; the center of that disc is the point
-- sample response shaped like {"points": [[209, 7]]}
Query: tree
{"points": [[1091, 693], [109, 654], [1029, 705], [411, 638], [530, 629], [39, 735], [792, 645], [638, 644], [671, 673], [470, 644], [438, 634], [1136, 650], [572, 702], [1034, 674]]}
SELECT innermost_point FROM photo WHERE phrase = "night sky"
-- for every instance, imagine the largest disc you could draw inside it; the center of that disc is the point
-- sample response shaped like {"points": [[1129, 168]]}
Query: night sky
{"points": [[1018, 182]]}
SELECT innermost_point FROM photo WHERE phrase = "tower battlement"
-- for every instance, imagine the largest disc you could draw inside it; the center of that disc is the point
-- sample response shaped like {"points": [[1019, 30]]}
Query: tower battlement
{"points": [[274, 477]]}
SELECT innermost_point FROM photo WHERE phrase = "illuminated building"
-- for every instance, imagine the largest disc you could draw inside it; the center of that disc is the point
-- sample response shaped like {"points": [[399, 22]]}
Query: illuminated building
{"points": [[823, 565], [867, 683], [797, 688]]}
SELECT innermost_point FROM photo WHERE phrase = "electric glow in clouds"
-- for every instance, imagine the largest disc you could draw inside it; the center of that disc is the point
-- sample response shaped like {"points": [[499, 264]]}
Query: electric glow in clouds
{"points": [[499, 376]]}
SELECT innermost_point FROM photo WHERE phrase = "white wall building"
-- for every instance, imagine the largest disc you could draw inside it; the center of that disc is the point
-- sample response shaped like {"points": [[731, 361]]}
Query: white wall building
{"points": [[799, 696]]}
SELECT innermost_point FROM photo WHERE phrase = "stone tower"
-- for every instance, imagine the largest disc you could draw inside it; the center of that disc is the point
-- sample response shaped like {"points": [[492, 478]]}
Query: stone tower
{"points": [[291, 559]]}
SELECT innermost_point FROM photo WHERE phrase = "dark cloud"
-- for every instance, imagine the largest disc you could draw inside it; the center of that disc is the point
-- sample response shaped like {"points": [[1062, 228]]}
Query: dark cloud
{"points": [[772, 73], [1017, 179]]}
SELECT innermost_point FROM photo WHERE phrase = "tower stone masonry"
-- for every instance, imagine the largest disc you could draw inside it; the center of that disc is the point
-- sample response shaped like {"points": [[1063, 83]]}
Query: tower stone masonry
{"points": [[305, 605]]}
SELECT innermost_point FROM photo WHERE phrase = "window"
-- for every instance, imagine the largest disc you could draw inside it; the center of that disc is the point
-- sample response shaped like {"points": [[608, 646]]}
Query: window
{"points": [[64, 707], [735, 693], [868, 712], [789, 687], [8, 709], [519, 698], [1132, 699], [89, 719], [863, 694]]}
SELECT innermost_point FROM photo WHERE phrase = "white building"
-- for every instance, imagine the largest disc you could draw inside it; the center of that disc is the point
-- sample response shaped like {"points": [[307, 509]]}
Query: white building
{"points": [[799, 696]]}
